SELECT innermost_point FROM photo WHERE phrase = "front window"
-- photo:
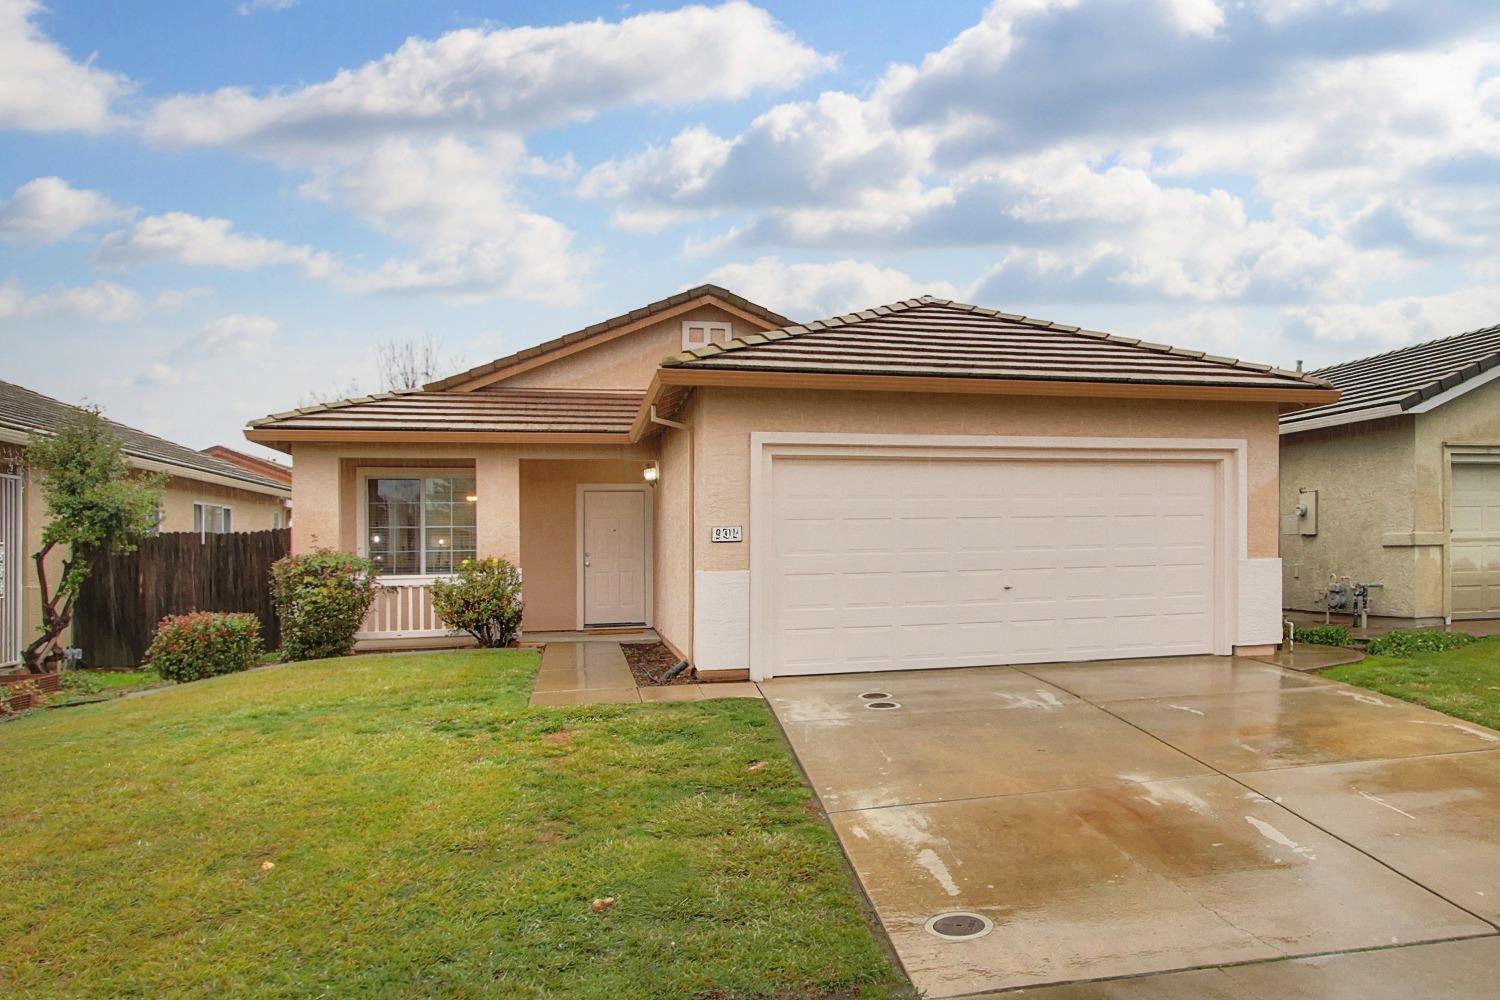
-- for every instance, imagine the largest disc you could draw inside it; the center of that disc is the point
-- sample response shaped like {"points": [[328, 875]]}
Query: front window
{"points": [[211, 519], [419, 526]]}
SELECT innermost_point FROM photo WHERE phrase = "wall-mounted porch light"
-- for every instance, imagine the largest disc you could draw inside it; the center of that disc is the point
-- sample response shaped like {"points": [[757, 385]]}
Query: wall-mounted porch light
{"points": [[651, 473], [472, 498]]}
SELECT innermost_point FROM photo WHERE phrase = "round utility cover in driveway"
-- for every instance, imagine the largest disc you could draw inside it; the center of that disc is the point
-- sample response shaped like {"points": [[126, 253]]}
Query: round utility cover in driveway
{"points": [[960, 926]]}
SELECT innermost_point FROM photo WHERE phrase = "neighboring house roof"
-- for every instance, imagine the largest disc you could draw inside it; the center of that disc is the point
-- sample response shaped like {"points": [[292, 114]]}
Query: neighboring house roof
{"points": [[484, 412], [633, 318], [269, 468], [23, 412], [937, 338], [1410, 379]]}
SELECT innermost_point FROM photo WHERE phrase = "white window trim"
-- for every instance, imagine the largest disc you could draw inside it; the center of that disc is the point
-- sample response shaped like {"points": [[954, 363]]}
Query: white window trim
{"points": [[362, 513], [203, 531], [716, 332]]}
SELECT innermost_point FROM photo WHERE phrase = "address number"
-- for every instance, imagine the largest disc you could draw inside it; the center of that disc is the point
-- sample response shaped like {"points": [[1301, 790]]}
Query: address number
{"points": [[734, 533]]}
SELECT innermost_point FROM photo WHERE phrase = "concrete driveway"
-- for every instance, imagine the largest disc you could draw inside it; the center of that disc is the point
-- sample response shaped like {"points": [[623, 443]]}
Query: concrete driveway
{"points": [[1128, 818]]}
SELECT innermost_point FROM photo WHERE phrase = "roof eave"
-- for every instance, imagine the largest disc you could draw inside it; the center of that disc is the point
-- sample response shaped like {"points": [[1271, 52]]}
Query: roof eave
{"points": [[281, 438]]}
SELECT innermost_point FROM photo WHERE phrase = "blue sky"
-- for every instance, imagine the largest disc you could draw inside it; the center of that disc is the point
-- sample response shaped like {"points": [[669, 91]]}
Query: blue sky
{"points": [[210, 210]]}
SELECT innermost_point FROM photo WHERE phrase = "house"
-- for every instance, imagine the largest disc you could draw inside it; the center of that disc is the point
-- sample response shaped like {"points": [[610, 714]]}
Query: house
{"points": [[203, 494], [269, 468], [922, 484], [1397, 484]]}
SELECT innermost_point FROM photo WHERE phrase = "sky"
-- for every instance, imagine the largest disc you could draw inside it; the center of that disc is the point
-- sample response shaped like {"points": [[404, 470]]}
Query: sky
{"points": [[212, 210]]}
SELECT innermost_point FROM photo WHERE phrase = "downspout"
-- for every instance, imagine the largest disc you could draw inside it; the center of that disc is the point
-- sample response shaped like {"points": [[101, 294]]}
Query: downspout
{"points": [[692, 527]]}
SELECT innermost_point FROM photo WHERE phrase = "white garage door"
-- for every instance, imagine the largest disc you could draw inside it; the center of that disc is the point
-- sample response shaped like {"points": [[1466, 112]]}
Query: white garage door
{"points": [[895, 564], [1475, 519]]}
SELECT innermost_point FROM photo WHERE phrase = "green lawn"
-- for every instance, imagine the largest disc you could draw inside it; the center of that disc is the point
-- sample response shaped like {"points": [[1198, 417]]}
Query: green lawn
{"points": [[1462, 682], [403, 826]]}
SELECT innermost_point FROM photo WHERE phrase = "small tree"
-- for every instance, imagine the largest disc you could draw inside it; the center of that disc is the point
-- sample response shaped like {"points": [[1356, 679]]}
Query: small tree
{"points": [[410, 364], [94, 504]]}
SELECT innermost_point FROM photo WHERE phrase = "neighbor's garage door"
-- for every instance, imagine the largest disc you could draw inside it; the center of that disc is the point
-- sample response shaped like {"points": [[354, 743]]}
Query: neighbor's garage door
{"points": [[1475, 519], [894, 563]]}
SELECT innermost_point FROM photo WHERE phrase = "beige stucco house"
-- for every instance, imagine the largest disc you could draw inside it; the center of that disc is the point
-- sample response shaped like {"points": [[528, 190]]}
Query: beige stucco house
{"points": [[203, 493], [1398, 483], [922, 484]]}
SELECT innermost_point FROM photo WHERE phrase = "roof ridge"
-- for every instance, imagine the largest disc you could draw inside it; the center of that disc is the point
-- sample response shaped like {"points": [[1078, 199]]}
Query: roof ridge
{"points": [[931, 301]]}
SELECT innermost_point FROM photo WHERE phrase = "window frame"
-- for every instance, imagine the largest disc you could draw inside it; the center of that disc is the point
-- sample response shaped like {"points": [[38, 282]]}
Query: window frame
{"points": [[200, 518], [710, 329], [362, 511]]}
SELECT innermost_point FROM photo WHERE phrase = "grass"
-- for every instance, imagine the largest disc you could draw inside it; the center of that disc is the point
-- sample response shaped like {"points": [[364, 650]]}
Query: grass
{"points": [[1461, 682], [403, 826]]}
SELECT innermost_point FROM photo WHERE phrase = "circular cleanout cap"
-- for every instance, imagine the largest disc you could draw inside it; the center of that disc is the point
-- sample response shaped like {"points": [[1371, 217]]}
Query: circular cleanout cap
{"points": [[874, 695], [960, 925], [882, 705]]}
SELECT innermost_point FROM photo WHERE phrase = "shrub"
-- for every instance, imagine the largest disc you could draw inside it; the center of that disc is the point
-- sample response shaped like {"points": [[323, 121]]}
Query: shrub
{"points": [[1405, 641], [321, 600], [204, 644], [484, 601], [1321, 635]]}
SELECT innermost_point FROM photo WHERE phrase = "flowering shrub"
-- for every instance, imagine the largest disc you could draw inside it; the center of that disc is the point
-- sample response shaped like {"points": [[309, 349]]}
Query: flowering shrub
{"points": [[321, 600], [484, 601], [204, 644]]}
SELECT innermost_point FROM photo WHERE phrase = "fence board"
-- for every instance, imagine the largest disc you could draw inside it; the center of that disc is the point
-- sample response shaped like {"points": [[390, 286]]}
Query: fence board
{"points": [[171, 574]]}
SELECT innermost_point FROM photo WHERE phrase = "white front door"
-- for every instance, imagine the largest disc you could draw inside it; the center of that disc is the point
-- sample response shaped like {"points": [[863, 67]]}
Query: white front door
{"points": [[895, 564], [614, 557], [1474, 517]]}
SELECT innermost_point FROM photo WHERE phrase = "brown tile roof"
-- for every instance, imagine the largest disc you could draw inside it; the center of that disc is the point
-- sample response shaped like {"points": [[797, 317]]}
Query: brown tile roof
{"points": [[613, 323], [937, 338], [491, 410], [262, 466], [1394, 382], [25, 411]]}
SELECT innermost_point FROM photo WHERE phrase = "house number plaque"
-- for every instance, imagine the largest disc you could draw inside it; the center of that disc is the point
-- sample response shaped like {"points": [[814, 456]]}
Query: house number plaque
{"points": [[731, 533]]}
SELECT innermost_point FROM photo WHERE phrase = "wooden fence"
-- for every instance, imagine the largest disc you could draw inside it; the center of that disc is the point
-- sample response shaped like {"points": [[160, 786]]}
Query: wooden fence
{"points": [[170, 574]]}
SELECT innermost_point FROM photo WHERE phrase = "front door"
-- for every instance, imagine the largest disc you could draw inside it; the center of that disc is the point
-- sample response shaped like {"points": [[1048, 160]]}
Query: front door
{"points": [[614, 557]]}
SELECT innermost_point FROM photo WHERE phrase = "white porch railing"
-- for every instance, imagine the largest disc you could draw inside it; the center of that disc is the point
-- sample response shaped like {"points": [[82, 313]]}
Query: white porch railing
{"points": [[402, 610]]}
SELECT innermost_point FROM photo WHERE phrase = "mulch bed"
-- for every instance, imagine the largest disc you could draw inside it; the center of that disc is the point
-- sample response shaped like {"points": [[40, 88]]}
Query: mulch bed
{"points": [[649, 660]]}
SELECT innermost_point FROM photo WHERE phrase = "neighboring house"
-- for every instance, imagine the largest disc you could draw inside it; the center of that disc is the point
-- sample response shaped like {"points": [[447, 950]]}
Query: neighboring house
{"points": [[202, 494], [1399, 483], [923, 484], [266, 467]]}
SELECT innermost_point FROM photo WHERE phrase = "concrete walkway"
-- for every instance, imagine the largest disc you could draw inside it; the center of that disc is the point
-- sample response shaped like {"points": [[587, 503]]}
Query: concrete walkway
{"points": [[1126, 818], [596, 673]]}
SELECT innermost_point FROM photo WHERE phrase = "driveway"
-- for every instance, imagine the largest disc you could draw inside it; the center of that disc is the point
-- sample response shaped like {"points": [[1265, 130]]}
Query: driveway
{"points": [[1129, 818]]}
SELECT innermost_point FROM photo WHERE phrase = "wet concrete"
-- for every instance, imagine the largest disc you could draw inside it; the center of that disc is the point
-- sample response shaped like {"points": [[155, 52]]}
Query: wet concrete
{"points": [[1309, 658], [1101, 847], [1456, 970]]}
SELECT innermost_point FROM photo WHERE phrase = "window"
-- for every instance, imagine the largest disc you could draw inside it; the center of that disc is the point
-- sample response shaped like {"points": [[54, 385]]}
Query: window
{"points": [[211, 519], [276, 519], [419, 526], [697, 333]]}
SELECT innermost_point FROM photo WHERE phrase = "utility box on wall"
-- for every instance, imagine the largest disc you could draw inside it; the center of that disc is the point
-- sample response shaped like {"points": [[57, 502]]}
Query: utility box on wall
{"points": [[1307, 512]]}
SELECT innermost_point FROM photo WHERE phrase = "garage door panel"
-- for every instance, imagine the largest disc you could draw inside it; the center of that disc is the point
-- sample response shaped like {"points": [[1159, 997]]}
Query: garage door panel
{"points": [[890, 563], [1474, 516]]}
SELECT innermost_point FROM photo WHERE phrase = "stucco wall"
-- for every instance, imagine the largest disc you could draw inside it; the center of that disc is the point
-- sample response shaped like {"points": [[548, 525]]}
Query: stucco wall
{"points": [[627, 362], [251, 511], [674, 569], [730, 415], [549, 534], [1365, 478]]}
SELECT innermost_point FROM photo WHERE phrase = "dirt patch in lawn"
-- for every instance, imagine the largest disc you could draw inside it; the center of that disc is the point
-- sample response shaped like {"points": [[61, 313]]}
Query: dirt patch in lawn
{"points": [[649, 661]]}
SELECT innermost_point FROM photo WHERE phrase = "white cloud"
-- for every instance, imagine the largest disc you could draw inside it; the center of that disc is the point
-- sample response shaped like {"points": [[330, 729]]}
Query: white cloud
{"points": [[49, 209], [42, 89], [101, 302], [254, 6], [238, 335], [182, 238], [1392, 322], [510, 79], [814, 291]]}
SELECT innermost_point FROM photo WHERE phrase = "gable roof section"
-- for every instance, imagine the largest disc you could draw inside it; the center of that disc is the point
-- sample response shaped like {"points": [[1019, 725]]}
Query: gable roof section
{"points": [[938, 339], [261, 466], [1410, 379], [23, 411], [617, 326], [488, 414]]}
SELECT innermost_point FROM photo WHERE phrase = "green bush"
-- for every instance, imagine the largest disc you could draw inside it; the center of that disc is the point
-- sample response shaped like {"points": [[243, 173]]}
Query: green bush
{"points": [[204, 644], [321, 600], [1321, 635], [1405, 641], [484, 600]]}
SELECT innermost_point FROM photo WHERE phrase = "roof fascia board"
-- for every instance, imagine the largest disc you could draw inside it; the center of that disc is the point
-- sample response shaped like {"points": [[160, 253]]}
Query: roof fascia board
{"points": [[603, 337], [1343, 419], [1309, 396], [276, 436], [1450, 394]]}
